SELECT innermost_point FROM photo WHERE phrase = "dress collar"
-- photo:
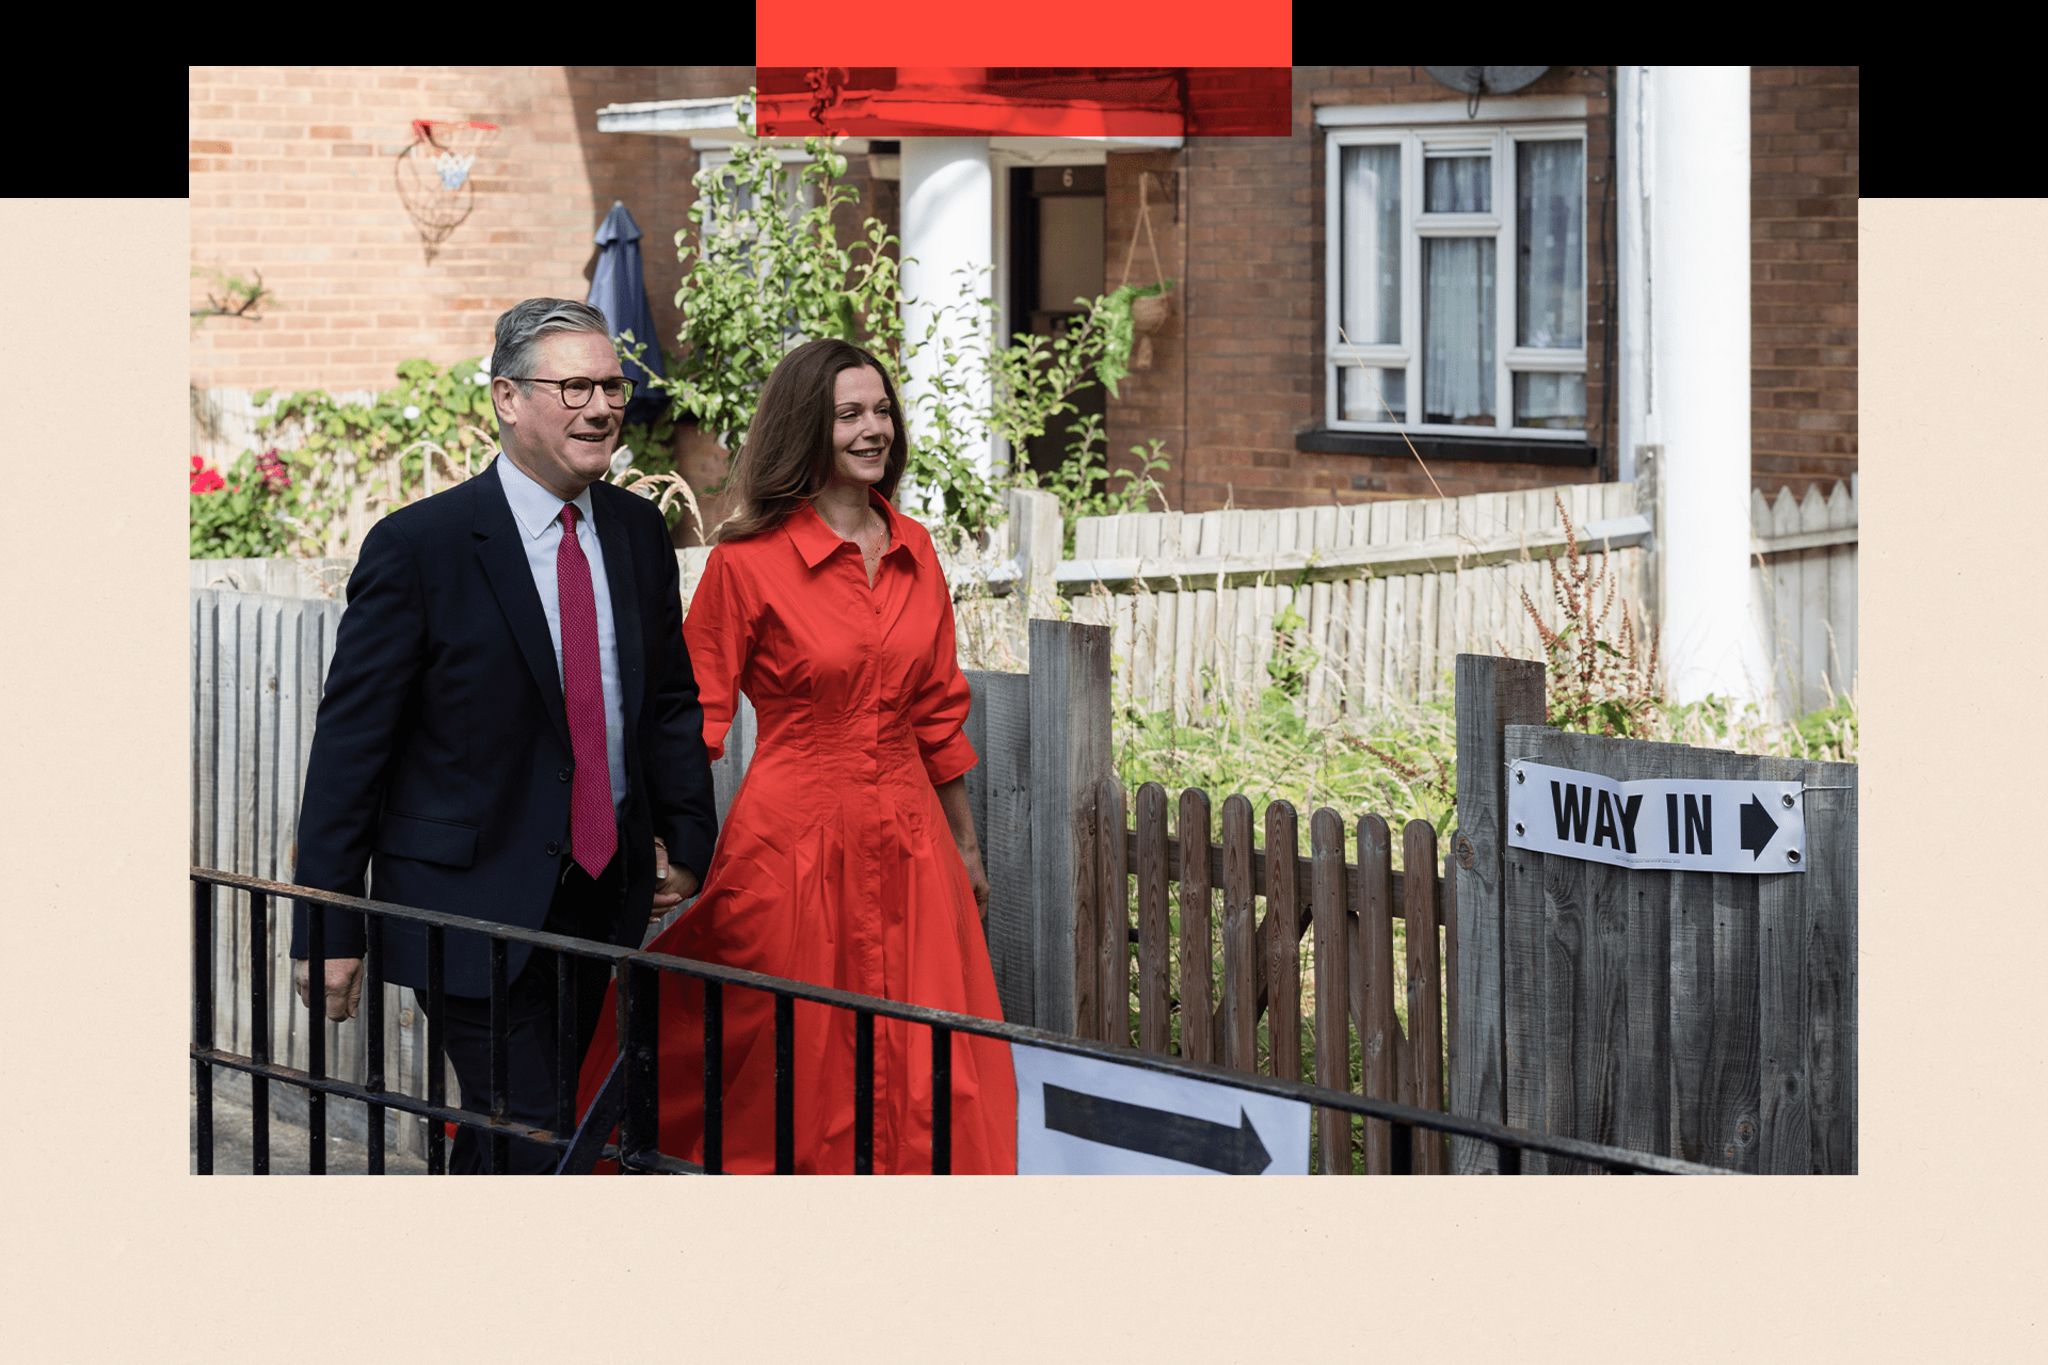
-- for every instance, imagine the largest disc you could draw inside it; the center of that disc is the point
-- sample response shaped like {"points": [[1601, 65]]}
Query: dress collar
{"points": [[816, 542]]}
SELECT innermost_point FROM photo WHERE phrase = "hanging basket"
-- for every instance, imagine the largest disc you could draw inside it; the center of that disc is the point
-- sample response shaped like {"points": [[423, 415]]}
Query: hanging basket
{"points": [[1149, 312]]}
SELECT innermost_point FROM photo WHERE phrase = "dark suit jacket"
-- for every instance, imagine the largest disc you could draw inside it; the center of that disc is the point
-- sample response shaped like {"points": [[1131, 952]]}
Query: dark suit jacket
{"points": [[441, 755]]}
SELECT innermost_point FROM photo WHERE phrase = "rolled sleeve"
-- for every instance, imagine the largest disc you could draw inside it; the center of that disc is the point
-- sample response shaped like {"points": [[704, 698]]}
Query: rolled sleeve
{"points": [[940, 715]]}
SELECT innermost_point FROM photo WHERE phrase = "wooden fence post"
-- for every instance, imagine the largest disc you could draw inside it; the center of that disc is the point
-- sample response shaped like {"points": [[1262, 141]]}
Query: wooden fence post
{"points": [[1492, 694], [1039, 536], [1070, 753], [999, 794]]}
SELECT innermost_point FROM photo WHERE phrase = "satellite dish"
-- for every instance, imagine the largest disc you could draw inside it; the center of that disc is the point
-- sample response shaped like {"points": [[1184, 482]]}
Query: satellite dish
{"points": [[1486, 80]]}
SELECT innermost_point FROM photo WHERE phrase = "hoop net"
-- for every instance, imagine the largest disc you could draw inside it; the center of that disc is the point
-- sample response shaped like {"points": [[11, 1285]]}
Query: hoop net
{"points": [[452, 147], [433, 173]]}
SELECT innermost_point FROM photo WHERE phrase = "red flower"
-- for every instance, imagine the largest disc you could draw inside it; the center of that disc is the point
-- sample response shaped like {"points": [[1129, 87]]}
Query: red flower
{"points": [[205, 478], [273, 470]]}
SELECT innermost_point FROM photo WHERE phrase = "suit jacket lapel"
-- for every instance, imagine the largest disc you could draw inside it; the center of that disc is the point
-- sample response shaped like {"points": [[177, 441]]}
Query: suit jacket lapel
{"points": [[511, 578], [618, 572]]}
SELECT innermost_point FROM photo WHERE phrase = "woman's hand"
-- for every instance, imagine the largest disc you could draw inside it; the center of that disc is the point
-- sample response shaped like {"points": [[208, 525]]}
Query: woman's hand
{"points": [[977, 878], [953, 801]]}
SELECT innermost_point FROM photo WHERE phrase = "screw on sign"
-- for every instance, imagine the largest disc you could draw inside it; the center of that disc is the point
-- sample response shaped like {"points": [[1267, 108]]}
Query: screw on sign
{"points": [[1700, 824]]}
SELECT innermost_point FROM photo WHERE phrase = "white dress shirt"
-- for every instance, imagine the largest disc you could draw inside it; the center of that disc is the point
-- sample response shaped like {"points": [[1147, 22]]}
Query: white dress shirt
{"points": [[539, 516]]}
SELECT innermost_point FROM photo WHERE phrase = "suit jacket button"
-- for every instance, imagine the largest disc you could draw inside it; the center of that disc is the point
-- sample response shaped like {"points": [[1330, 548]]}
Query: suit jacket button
{"points": [[553, 848], [563, 774]]}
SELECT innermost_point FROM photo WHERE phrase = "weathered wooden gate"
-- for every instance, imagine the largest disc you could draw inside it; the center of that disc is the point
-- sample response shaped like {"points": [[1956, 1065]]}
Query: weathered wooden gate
{"points": [[1709, 1016]]}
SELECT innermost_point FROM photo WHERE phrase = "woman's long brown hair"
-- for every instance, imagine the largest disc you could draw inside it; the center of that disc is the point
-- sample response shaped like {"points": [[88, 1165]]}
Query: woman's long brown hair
{"points": [[787, 456]]}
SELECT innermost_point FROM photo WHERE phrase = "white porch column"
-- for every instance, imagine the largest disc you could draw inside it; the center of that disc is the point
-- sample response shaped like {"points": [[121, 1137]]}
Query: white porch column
{"points": [[948, 220], [1697, 399]]}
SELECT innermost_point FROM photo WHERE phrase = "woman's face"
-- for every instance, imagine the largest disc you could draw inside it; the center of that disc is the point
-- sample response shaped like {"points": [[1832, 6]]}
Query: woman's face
{"points": [[863, 427]]}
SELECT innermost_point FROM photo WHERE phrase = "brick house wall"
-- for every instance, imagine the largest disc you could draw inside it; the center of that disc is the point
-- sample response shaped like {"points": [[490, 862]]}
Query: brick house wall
{"points": [[1238, 373], [1803, 276], [293, 174]]}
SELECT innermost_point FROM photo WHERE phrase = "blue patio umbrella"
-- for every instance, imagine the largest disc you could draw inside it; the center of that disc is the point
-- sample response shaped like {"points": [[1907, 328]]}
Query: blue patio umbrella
{"points": [[618, 290]]}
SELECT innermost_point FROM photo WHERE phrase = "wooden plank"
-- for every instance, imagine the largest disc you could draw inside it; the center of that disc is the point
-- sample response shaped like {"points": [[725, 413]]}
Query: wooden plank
{"points": [[1322, 686], [1372, 982], [1070, 750], [1144, 615], [1428, 611], [1425, 987], [1240, 1016], [1786, 635], [1492, 694], [1784, 933], [1205, 645], [1831, 959], [1524, 963], [205, 615], [1087, 1009], [1448, 899], [1405, 553], [1112, 899], [1005, 769], [1513, 509], [1585, 947], [1186, 648], [1443, 672], [1283, 961], [1841, 562], [1332, 954], [1199, 1040], [1813, 607], [1421, 606], [1154, 1023]]}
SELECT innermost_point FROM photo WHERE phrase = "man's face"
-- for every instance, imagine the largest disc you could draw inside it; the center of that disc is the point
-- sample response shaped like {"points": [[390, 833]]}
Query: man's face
{"points": [[564, 449]]}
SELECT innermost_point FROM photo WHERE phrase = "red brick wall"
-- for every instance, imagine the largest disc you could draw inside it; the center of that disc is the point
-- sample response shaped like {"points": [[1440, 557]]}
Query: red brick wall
{"points": [[1239, 369], [1803, 275], [293, 175]]}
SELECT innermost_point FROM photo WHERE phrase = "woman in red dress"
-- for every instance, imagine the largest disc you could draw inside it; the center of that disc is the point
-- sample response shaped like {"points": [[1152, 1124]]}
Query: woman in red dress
{"points": [[848, 858]]}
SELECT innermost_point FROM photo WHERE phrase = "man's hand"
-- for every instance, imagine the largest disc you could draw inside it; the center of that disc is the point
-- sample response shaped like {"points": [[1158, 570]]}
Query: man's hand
{"points": [[344, 985], [673, 884]]}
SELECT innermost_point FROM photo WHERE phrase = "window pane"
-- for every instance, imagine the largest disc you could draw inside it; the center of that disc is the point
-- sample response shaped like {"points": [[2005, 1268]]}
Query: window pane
{"points": [[1550, 282], [1370, 220], [1457, 184], [1551, 400], [1373, 394], [1457, 330]]}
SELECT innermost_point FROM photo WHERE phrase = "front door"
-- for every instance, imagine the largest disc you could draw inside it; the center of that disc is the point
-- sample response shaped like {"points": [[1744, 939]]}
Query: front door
{"points": [[1056, 232]]}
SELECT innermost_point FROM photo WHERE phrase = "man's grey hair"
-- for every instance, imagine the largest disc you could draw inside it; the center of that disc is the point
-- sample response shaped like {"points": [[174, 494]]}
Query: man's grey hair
{"points": [[521, 327]]}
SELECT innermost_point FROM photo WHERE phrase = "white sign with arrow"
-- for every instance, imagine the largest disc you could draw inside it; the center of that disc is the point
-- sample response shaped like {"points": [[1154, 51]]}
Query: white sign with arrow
{"points": [[1676, 824], [1081, 1116]]}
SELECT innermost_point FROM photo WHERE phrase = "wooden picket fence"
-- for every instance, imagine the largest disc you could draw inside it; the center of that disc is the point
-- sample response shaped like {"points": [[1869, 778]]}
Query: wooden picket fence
{"points": [[1183, 993]]}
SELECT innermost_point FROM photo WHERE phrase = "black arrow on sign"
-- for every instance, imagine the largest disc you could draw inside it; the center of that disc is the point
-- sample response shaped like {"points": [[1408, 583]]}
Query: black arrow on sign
{"points": [[1757, 827], [1158, 1132]]}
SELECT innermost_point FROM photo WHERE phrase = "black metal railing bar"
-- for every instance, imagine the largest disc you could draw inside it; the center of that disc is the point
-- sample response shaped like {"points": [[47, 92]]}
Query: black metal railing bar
{"points": [[639, 972]]}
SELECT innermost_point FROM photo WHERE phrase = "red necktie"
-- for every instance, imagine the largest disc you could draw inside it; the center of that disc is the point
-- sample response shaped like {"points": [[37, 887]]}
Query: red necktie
{"points": [[593, 828]]}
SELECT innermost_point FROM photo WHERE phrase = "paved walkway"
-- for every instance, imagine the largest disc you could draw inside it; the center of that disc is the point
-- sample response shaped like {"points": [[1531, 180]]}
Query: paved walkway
{"points": [[234, 1138]]}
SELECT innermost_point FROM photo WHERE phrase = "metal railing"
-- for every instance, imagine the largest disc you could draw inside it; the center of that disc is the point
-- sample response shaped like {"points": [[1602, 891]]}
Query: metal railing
{"points": [[629, 1101]]}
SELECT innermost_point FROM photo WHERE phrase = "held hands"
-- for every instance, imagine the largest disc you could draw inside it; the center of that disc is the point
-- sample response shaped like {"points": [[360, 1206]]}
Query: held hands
{"points": [[344, 985], [674, 883]]}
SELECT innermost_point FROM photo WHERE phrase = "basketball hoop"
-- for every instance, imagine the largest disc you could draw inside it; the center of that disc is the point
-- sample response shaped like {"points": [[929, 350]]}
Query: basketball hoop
{"points": [[433, 175]]}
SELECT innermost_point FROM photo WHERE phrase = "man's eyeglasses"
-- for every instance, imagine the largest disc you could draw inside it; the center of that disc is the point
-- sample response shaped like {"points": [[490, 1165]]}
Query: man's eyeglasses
{"points": [[576, 392]]}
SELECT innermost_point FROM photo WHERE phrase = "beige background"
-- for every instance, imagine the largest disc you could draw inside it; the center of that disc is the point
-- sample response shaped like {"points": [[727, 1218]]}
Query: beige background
{"points": [[112, 1252]]}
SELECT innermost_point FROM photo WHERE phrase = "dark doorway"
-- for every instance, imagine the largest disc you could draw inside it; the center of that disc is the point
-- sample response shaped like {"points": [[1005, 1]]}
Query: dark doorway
{"points": [[1056, 237]]}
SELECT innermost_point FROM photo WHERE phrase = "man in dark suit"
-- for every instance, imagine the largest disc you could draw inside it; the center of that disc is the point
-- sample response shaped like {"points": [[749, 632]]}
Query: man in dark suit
{"points": [[510, 728]]}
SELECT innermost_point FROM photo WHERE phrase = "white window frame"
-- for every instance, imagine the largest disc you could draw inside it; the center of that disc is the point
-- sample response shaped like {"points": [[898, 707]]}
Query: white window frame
{"points": [[1501, 142], [710, 157]]}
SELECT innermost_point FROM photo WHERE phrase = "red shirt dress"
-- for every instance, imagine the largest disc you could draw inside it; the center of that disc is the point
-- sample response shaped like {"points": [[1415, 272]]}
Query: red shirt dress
{"points": [[835, 864]]}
